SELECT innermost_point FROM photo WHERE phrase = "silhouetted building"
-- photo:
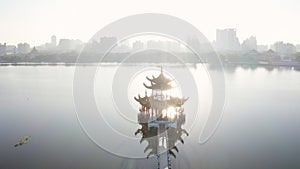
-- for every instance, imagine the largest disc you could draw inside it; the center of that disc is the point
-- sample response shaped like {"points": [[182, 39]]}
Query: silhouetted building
{"points": [[192, 43], [104, 45], [137, 45], [32, 54], [2, 49], [226, 40], [123, 48], [284, 48], [107, 42], [262, 48], [152, 44], [23, 48], [298, 47], [251, 56], [92, 47], [172, 46], [249, 44], [11, 50], [53, 41], [51, 46], [271, 56], [69, 44]]}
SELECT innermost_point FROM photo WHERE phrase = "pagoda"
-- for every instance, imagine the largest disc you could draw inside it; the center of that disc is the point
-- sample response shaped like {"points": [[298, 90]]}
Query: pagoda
{"points": [[161, 117]]}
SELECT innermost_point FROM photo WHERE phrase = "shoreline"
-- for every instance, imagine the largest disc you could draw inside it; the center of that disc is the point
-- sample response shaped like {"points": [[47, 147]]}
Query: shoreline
{"points": [[225, 65]]}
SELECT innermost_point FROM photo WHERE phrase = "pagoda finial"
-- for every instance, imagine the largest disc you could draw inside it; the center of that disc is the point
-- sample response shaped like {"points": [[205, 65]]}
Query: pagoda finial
{"points": [[161, 71], [145, 92]]}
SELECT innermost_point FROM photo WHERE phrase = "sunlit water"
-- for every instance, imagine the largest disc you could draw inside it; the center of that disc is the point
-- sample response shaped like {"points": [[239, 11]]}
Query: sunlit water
{"points": [[260, 127]]}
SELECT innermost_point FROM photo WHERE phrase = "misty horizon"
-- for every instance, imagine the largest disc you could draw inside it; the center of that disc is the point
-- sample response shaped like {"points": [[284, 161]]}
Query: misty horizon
{"points": [[270, 21], [145, 40]]}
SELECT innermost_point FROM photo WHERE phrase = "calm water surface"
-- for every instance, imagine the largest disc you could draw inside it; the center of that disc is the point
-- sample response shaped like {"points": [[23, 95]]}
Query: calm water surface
{"points": [[260, 127]]}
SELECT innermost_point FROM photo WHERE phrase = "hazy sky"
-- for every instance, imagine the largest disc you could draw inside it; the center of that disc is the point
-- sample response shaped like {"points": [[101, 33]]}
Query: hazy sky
{"points": [[34, 21]]}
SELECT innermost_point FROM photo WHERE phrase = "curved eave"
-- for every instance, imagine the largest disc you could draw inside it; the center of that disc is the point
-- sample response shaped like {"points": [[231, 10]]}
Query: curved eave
{"points": [[183, 100], [177, 98], [161, 79], [144, 101], [158, 87]]}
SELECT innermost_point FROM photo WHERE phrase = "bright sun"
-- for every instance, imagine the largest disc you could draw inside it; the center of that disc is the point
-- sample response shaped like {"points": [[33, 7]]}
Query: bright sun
{"points": [[170, 112]]}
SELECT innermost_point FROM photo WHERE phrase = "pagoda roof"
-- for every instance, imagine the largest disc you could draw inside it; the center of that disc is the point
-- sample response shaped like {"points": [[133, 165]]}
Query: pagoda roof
{"points": [[176, 101], [161, 79], [158, 86], [144, 101], [151, 102]]}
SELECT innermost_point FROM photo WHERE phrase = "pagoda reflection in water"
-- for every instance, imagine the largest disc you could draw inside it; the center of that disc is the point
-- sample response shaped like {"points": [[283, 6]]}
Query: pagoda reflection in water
{"points": [[161, 118]]}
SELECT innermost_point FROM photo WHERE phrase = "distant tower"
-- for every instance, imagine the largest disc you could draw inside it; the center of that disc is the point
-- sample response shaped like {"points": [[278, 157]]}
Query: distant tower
{"points": [[53, 40], [226, 40]]}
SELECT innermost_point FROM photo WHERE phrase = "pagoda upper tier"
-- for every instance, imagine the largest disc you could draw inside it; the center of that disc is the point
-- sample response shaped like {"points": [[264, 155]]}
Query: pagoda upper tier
{"points": [[157, 86], [161, 79], [159, 83]]}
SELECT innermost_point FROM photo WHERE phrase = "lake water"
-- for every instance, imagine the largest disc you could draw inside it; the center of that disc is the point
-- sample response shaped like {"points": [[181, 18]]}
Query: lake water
{"points": [[259, 129]]}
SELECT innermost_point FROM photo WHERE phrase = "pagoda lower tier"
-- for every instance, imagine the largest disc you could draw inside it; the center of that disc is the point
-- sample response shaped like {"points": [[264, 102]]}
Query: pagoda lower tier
{"points": [[160, 102]]}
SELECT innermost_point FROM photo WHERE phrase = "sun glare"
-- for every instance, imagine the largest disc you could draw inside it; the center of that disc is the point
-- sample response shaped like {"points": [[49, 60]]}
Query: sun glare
{"points": [[169, 113]]}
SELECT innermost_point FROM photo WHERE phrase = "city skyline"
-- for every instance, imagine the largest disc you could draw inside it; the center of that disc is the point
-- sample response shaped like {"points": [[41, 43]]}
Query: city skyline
{"points": [[217, 30], [226, 40], [270, 21]]}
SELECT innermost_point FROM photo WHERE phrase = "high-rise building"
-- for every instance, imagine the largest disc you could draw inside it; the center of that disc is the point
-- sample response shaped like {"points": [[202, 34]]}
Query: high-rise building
{"points": [[249, 44], [53, 40], [226, 39], [154, 44], [137, 45], [284, 48], [11, 49], [298, 47], [69, 44], [23, 48], [2, 49]]}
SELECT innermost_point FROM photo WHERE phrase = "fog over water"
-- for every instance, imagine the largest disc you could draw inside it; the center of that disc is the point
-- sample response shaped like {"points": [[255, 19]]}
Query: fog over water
{"points": [[259, 129]]}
